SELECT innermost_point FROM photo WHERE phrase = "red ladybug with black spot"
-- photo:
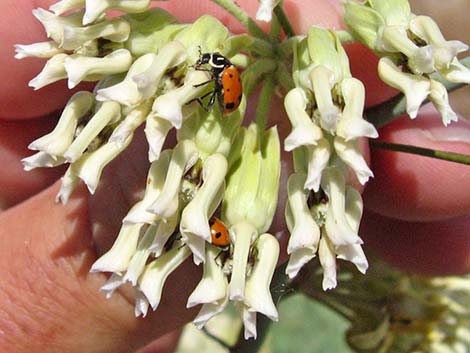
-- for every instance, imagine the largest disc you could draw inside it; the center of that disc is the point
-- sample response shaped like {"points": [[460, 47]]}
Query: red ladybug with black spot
{"points": [[219, 233], [226, 78]]}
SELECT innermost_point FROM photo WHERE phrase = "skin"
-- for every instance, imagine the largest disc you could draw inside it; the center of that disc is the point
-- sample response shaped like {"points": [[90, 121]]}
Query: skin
{"points": [[417, 209]]}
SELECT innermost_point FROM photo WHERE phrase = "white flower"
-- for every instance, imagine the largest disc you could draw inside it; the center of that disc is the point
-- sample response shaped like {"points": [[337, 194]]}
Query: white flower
{"points": [[155, 274], [156, 130], [54, 25], [208, 311], [68, 183], [243, 235], [115, 30], [337, 227], [304, 131], [213, 287], [38, 50], [58, 141], [318, 158], [94, 9], [350, 152], [195, 216], [63, 6], [265, 10], [327, 258], [323, 81], [126, 91], [184, 155], [78, 67], [169, 105], [352, 125], [170, 55], [109, 112], [155, 181], [53, 71], [90, 166], [130, 123], [257, 295], [415, 88], [118, 257], [440, 99], [41, 159], [302, 227]]}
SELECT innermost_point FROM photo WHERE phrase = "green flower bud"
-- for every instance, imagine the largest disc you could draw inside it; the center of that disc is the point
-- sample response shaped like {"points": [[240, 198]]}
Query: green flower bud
{"points": [[151, 30], [253, 178]]}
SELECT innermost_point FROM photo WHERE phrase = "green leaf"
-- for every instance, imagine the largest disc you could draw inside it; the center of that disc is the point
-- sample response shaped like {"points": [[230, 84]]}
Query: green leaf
{"points": [[306, 326]]}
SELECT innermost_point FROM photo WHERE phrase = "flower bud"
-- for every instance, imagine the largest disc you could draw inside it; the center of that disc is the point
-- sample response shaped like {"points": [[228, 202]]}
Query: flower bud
{"points": [[252, 188]]}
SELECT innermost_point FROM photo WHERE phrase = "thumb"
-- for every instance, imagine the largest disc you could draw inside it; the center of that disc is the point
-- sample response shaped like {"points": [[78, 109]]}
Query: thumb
{"points": [[48, 294]]}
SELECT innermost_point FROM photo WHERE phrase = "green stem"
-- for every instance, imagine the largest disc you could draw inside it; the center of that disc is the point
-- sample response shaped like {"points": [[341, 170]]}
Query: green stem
{"points": [[345, 37], [264, 103], [247, 22], [384, 113], [446, 156], [284, 20], [263, 323]]}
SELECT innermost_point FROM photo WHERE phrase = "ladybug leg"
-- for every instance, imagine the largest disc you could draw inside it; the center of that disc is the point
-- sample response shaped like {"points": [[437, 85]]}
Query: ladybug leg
{"points": [[212, 100], [204, 83], [199, 100]]}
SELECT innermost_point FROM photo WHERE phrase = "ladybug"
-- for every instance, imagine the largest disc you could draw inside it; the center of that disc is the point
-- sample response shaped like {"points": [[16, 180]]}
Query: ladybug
{"points": [[219, 233], [226, 77]]}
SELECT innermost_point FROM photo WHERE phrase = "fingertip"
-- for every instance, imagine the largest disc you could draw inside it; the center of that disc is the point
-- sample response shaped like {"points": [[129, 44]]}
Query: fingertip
{"points": [[417, 188]]}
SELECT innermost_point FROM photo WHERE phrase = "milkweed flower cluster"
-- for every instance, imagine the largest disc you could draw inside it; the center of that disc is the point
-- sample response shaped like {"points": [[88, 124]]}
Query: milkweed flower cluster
{"points": [[148, 72], [325, 108], [144, 65], [412, 49]]}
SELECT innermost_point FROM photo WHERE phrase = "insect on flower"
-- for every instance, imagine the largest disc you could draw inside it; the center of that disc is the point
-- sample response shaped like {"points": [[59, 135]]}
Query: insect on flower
{"points": [[226, 78], [219, 233]]}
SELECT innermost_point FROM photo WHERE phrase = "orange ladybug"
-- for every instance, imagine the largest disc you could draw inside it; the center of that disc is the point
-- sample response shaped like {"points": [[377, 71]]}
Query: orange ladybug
{"points": [[219, 233], [226, 77]]}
